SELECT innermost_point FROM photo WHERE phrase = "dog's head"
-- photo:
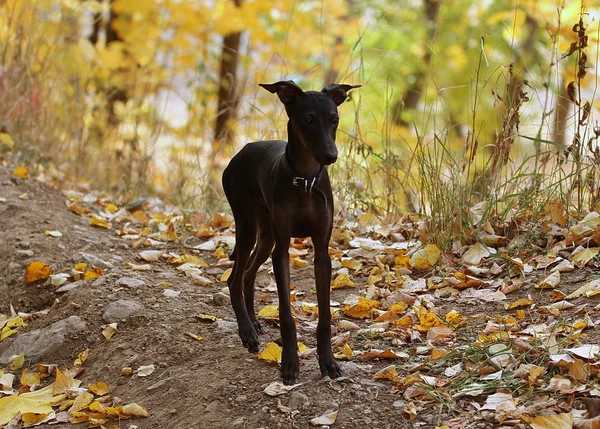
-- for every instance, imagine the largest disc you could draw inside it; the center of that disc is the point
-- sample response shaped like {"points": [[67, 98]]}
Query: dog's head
{"points": [[313, 115]]}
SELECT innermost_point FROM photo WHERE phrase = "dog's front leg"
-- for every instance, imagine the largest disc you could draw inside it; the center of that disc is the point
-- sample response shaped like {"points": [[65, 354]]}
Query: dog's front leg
{"points": [[290, 364], [327, 364]]}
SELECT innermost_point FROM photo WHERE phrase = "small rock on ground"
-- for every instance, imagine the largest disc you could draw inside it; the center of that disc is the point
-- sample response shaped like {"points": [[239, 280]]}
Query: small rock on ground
{"points": [[120, 310], [40, 342], [130, 282]]}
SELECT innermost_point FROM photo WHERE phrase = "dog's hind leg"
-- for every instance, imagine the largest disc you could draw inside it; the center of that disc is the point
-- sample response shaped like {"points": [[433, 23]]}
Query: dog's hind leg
{"points": [[245, 237], [264, 247]]}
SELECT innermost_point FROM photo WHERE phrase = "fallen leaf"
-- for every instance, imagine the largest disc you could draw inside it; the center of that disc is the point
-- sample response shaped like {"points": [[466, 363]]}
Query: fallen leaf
{"points": [[16, 362], [523, 302], [586, 351], [21, 172], [145, 370], [37, 271], [151, 255], [581, 259], [38, 402], [226, 275], [341, 281], [92, 273], [96, 221], [388, 373], [327, 418], [100, 388], [475, 254], [109, 330], [63, 383], [549, 282], [135, 409], [556, 421], [269, 312], [272, 352], [426, 257], [55, 234], [277, 388]]}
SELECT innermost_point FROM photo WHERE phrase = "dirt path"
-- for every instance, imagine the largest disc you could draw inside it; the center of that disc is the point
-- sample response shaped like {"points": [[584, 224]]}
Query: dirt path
{"points": [[211, 383]]}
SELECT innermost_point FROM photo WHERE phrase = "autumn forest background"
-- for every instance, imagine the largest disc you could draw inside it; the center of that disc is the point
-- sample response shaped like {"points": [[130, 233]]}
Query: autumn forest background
{"points": [[462, 102]]}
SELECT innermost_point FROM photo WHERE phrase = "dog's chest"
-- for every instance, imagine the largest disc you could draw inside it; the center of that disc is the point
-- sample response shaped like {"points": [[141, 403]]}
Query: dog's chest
{"points": [[308, 215]]}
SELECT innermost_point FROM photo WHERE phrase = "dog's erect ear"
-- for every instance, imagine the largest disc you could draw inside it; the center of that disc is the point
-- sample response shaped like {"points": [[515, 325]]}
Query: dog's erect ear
{"points": [[286, 90], [338, 91]]}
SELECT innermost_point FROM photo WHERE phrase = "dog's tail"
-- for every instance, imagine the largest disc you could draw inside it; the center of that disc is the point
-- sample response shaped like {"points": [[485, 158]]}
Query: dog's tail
{"points": [[232, 255]]}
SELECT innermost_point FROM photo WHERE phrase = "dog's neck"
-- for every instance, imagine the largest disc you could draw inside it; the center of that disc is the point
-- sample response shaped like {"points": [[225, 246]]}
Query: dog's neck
{"points": [[299, 157]]}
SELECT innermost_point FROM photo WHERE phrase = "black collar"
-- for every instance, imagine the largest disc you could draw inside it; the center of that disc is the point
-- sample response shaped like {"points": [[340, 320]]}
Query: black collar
{"points": [[307, 183]]}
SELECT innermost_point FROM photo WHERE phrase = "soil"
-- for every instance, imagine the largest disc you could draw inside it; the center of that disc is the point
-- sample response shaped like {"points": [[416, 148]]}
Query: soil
{"points": [[211, 383]]}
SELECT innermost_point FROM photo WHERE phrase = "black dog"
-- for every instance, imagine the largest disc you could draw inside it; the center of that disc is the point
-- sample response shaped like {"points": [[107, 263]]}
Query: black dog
{"points": [[278, 190]]}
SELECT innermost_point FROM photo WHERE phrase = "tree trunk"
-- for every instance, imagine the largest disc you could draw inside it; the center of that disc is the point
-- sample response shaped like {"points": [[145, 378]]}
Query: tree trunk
{"points": [[229, 92], [413, 93]]}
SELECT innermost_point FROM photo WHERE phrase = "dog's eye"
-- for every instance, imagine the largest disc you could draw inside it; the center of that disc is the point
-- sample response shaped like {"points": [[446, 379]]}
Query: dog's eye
{"points": [[336, 121], [308, 120]]}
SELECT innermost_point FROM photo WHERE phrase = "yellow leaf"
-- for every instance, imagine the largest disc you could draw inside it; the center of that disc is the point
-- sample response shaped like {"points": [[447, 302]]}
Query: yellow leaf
{"points": [[81, 358], [9, 330], [402, 261], [269, 312], [7, 140], [362, 310], [30, 378], [556, 421], [399, 307], [388, 373], [194, 336], [109, 330], [342, 281], [272, 352], [346, 353], [92, 273], [16, 362], [437, 353], [135, 409], [80, 267], [111, 208], [38, 402], [523, 302], [426, 257], [383, 354], [298, 262], [351, 264], [99, 388], [226, 275], [582, 258], [21, 172], [549, 282], [82, 401], [96, 221], [55, 234], [32, 419], [455, 319], [37, 271], [63, 383], [208, 318]]}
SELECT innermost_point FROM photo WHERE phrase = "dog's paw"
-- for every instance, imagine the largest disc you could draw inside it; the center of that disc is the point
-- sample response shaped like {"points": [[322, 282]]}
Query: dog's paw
{"points": [[290, 369], [249, 338], [258, 327], [330, 367]]}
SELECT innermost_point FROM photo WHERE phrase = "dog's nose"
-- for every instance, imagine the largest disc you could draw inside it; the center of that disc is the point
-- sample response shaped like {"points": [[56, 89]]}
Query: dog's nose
{"points": [[330, 158]]}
